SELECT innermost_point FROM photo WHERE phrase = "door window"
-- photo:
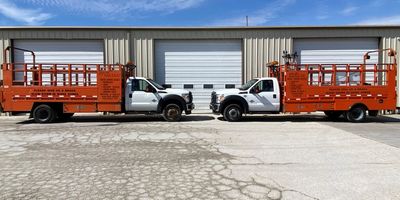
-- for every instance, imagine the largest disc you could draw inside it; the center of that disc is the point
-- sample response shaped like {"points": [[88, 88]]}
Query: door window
{"points": [[141, 85], [264, 86]]}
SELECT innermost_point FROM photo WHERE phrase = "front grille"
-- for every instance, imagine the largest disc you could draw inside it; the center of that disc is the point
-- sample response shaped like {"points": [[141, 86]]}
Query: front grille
{"points": [[213, 98], [190, 97]]}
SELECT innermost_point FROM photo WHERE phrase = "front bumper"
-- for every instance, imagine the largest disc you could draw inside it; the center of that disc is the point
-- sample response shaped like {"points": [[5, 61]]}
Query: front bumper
{"points": [[189, 108], [215, 107]]}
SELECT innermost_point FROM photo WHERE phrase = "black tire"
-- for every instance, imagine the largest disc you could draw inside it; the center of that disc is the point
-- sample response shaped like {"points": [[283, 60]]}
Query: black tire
{"points": [[233, 113], [44, 114], [172, 113], [373, 113], [356, 114], [333, 115]]}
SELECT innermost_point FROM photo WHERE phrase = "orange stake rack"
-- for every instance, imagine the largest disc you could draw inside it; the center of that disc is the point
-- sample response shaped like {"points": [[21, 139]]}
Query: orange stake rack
{"points": [[337, 87], [79, 87]]}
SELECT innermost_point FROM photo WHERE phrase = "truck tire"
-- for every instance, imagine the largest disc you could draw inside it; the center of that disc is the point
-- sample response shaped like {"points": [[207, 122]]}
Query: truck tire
{"points": [[356, 114], [373, 113], [44, 114], [172, 113], [233, 113], [333, 115]]}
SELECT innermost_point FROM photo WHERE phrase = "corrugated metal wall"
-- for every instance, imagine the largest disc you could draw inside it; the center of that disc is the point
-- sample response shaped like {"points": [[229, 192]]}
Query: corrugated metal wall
{"points": [[117, 49], [143, 56], [259, 51]]}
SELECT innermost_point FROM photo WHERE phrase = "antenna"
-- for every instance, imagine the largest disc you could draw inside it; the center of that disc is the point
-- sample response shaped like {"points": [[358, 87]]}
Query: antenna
{"points": [[247, 20]]}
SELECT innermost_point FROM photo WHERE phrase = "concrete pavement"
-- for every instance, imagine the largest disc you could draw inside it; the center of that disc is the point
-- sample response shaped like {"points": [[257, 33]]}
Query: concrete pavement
{"points": [[203, 157]]}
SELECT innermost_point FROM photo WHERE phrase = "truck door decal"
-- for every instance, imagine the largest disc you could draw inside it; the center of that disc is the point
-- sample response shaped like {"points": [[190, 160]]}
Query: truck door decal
{"points": [[109, 86]]}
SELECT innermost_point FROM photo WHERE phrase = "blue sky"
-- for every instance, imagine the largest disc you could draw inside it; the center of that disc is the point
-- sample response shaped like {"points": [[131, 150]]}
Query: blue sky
{"points": [[198, 12]]}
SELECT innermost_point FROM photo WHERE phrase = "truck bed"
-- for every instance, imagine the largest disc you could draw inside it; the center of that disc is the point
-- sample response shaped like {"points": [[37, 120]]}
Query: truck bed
{"points": [[309, 88], [79, 87]]}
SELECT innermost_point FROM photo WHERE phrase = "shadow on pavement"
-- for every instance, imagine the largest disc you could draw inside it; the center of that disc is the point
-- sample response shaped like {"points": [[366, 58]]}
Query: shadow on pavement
{"points": [[311, 118], [126, 119]]}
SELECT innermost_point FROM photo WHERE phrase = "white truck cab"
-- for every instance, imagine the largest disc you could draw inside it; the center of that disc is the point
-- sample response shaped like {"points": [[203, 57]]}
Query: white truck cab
{"points": [[260, 95], [146, 96]]}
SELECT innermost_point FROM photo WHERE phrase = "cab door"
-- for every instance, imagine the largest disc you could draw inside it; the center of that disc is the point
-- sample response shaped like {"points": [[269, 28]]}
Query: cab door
{"points": [[264, 96], [142, 96]]}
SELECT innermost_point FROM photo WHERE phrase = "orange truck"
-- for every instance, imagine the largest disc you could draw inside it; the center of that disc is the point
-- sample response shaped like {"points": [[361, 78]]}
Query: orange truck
{"points": [[56, 91], [351, 90]]}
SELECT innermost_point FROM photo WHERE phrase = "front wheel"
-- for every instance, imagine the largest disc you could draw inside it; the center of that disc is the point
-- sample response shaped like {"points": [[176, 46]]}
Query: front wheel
{"points": [[172, 113], [44, 114], [356, 114], [233, 113]]}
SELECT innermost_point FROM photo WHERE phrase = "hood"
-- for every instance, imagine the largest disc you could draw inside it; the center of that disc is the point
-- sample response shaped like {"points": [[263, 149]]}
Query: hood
{"points": [[176, 91], [228, 91]]}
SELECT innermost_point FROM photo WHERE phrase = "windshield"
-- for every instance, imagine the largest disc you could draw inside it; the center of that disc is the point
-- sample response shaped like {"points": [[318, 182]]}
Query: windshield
{"points": [[155, 84], [248, 84]]}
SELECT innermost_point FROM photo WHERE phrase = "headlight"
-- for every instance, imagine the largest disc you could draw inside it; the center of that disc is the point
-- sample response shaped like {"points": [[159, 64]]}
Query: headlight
{"points": [[220, 97], [186, 97]]}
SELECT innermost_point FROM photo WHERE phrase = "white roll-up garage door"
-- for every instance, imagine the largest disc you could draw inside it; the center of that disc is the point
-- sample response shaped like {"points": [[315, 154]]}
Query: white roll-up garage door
{"points": [[335, 50], [200, 66], [338, 51], [59, 52]]}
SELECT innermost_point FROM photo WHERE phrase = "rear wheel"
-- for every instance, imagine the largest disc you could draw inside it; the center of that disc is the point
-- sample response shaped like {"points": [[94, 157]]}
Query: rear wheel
{"points": [[172, 113], [356, 114], [373, 113], [44, 114], [233, 113], [333, 115]]}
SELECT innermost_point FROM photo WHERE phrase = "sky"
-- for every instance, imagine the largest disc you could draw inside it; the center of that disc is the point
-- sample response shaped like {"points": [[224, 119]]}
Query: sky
{"points": [[198, 12]]}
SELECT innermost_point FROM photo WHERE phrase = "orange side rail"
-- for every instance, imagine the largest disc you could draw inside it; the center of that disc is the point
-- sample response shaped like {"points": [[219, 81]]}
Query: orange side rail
{"points": [[80, 87], [324, 87]]}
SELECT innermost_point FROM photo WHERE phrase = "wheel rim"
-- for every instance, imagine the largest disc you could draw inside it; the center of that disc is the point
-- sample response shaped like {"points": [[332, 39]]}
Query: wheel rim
{"points": [[172, 113], [233, 113], [43, 115], [357, 114]]}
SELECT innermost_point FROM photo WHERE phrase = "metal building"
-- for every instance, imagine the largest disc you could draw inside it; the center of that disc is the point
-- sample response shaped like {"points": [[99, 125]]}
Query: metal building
{"points": [[199, 59]]}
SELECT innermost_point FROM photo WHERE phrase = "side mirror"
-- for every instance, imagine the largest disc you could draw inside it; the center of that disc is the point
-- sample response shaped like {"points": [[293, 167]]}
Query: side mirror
{"points": [[166, 85]]}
